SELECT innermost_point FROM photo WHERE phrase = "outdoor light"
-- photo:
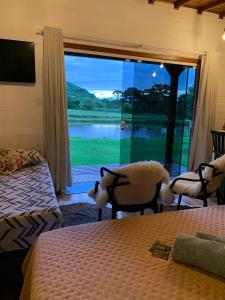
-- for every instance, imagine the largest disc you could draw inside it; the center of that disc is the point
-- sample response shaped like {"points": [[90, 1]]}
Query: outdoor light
{"points": [[224, 35], [161, 66], [154, 74]]}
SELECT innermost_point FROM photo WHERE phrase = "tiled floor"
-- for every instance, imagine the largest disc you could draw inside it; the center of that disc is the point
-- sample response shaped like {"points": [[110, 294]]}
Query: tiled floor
{"points": [[83, 197]]}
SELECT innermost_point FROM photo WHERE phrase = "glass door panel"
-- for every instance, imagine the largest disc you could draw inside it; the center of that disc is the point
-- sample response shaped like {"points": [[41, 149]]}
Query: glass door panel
{"points": [[93, 87], [147, 96], [184, 113]]}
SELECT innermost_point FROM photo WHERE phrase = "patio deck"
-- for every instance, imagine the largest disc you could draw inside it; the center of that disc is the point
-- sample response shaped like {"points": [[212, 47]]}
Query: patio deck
{"points": [[84, 177]]}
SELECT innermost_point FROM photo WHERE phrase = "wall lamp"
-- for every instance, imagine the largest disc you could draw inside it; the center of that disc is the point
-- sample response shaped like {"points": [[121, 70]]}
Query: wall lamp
{"points": [[224, 35]]}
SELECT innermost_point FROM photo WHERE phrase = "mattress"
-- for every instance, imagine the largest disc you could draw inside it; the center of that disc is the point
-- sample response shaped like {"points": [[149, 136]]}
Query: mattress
{"points": [[111, 260], [28, 206]]}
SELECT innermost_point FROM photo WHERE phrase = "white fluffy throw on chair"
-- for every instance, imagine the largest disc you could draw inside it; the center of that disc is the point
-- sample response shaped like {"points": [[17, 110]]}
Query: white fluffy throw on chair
{"points": [[194, 188], [143, 175], [215, 181]]}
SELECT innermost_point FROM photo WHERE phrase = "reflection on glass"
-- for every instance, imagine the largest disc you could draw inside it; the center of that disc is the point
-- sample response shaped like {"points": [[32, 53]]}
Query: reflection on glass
{"points": [[147, 97]]}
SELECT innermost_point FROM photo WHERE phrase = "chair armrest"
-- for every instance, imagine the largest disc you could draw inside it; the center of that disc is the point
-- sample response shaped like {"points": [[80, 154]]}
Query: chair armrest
{"points": [[110, 172], [182, 178], [203, 165], [204, 182], [199, 171], [96, 186]]}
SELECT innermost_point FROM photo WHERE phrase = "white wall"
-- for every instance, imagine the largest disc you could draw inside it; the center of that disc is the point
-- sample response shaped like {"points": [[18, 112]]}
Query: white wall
{"points": [[122, 20]]}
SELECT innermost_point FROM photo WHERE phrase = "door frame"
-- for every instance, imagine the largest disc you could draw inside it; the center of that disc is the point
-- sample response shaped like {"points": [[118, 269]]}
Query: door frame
{"points": [[131, 55]]}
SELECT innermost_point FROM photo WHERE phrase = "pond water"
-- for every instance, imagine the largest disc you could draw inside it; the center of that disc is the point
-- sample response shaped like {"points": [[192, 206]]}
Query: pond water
{"points": [[114, 131]]}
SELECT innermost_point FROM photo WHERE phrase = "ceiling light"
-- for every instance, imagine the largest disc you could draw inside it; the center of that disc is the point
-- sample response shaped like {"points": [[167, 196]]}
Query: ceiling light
{"points": [[224, 35], [161, 66], [154, 74]]}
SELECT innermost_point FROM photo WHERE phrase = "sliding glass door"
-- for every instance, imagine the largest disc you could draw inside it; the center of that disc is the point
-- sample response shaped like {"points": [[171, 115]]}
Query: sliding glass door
{"points": [[147, 99], [123, 111], [159, 98]]}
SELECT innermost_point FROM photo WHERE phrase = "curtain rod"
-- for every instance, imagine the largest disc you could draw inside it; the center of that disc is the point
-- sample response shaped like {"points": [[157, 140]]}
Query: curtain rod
{"points": [[121, 43]]}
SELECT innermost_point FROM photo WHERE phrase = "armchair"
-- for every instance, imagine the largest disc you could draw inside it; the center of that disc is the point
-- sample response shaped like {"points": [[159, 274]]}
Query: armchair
{"points": [[202, 183], [130, 188]]}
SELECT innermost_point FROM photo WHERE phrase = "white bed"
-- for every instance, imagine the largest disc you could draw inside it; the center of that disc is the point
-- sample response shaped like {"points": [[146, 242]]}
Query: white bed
{"points": [[111, 260]]}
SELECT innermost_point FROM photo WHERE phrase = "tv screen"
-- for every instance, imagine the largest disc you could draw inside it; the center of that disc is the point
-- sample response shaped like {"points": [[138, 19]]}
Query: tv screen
{"points": [[17, 61]]}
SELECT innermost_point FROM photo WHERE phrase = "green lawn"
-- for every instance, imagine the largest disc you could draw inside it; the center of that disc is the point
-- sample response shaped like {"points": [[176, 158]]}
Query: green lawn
{"points": [[87, 151], [89, 116]]}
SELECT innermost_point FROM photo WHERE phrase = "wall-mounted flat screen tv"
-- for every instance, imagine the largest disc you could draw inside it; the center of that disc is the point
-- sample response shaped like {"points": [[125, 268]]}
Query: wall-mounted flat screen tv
{"points": [[17, 62]]}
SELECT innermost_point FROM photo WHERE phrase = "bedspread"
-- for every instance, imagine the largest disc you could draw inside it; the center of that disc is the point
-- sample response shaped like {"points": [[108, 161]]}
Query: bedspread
{"points": [[111, 260], [28, 206]]}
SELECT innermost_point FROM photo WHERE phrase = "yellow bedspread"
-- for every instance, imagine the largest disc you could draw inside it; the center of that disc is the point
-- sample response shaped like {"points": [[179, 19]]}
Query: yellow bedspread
{"points": [[111, 260]]}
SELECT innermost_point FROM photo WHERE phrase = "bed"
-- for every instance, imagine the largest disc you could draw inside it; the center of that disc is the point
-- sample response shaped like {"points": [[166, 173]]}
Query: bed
{"points": [[111, 260], [28, 206]]}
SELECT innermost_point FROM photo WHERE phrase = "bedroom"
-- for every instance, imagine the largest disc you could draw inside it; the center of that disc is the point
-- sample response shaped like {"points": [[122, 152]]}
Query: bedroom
{"points": [[180, 32], [158, 25]]}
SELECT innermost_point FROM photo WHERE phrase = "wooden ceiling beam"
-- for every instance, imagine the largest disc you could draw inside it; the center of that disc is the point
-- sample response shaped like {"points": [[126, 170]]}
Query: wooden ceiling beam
{"points": [[178, 3], [151, 1], [210, 5]]}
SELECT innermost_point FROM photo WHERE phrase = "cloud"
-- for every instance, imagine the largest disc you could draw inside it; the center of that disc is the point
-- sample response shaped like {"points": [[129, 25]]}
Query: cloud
{"points": [[102, 93]]}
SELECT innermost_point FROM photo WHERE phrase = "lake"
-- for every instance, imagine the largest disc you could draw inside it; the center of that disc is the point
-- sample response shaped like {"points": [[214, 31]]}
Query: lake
{"points": [[113, 131]]}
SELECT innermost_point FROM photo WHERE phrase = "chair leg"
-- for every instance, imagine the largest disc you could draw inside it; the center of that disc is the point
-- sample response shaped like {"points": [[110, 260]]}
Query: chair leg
{"points": [[179, 201], [113, 213], [142, 212], [218, 197], [161, 208], [99, 214], [205, 201], [155, 208]]}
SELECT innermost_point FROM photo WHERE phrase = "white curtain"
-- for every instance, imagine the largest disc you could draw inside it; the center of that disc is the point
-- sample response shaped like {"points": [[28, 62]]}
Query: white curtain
{"points": [[201, 144], [56, 141]]}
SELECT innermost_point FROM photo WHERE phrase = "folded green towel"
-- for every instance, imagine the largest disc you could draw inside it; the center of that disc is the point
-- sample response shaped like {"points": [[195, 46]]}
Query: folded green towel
{"points": [[211, 237], [206, 254]]}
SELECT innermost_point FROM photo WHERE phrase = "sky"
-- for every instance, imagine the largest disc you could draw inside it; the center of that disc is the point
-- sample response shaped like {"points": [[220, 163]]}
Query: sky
{"points": [[103, 76]]}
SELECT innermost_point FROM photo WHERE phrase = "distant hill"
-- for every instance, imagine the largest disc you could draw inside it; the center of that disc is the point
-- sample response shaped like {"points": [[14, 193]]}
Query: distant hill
{"points": [[78, 93]]}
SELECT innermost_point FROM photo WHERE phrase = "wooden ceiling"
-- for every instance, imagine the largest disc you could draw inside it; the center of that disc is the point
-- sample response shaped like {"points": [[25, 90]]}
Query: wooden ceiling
{"points": [[201, 6]]}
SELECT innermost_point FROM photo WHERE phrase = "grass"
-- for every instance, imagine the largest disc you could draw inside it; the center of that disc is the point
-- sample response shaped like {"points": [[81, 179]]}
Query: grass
{"points": [[89, 116], [87, 151]]}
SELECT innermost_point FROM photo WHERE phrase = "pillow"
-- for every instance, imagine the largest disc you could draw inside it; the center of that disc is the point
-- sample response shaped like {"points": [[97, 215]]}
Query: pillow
{"points": [[9, 164], [12, 160], [31, 155]]}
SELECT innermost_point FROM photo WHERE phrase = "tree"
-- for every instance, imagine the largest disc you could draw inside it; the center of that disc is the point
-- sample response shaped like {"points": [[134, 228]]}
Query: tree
{"points": [[88, 104], [160, 90], [117, 93], [131, 93], [79, 98], [72, 102], [152, 100], [127, 108], [185, 104]]}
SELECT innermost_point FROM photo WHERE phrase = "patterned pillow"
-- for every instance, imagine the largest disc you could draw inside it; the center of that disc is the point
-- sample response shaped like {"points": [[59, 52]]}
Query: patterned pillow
{"points": [[12, 160], [31, 155], [11, 163]]}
